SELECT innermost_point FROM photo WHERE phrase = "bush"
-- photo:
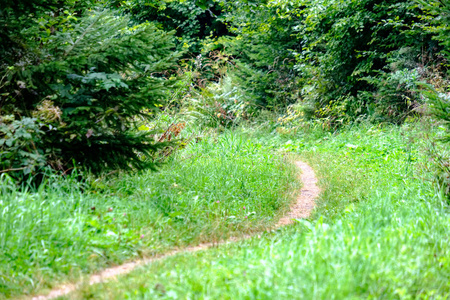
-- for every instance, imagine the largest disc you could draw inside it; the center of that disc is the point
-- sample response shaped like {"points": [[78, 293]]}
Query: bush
{"points": [[264, 50], [20, 150], [193, 20], [334, 56], [85, 78], [347, 42], [395, 96]]}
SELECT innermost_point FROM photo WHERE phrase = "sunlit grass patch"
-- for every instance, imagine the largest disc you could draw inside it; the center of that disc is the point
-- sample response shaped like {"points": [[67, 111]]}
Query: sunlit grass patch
{"points": [[221, 186], [381, 231]]}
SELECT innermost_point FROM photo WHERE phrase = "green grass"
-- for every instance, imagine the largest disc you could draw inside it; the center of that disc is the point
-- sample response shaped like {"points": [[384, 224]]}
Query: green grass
{"points": [[380, 231], [224, 185]]}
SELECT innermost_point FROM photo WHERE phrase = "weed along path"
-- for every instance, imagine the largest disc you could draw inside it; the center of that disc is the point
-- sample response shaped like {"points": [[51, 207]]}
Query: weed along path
{"points": [[300, 209]]}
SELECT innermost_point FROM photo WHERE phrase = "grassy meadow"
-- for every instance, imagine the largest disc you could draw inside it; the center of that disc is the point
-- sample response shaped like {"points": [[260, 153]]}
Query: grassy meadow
{"points": [[218, 186], [380, 231]]}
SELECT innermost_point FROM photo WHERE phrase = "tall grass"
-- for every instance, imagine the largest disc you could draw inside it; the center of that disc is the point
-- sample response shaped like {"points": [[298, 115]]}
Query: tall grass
{"points": [[221, 186], [380, 232]]}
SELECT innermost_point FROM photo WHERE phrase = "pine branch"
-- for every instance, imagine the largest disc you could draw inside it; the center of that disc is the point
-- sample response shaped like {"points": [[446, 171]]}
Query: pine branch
{"points": [[82, 35]]}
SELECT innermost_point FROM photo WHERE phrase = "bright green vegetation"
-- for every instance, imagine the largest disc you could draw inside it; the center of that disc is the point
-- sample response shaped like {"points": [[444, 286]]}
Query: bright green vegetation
{"points": [[88, 89], [380, 231], [79, 77], [221, 186]]}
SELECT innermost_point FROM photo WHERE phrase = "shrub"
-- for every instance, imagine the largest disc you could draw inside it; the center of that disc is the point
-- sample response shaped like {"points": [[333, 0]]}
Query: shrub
{"points": [[332, 55], [193, 20], [346, 42], [395, 96], [20, 151], [85, 78], [263, 48]]}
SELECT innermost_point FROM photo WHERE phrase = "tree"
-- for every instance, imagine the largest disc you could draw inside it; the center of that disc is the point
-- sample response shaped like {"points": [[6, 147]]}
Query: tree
{"points": [[84, 77], [193, 20], [264, 47]]}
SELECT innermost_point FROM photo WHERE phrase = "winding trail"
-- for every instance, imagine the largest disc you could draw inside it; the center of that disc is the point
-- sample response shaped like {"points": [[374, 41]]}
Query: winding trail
{"points": [[302, 208]]}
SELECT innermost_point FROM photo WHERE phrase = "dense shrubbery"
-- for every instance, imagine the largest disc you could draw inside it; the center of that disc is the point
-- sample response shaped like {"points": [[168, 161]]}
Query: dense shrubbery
{"points": [[341, 59], [76, 75], [193, 20], [264, 46], [76, 83], [349, 43]]}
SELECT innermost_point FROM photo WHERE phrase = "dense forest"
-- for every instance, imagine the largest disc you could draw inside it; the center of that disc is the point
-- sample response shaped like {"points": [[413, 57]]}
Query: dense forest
{"points": [[149, 106]]}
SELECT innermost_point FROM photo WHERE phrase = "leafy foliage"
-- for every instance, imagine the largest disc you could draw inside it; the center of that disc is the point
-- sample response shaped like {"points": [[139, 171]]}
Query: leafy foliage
{"points": [[264, 49], [193, 20], [347, 44], [334, 56], [19, 145], [395, 97], [86, 79], [438, 15]]}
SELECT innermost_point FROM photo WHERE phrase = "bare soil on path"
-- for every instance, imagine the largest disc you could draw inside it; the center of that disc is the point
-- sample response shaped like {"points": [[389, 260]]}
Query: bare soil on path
{"points": [[302, 208]]}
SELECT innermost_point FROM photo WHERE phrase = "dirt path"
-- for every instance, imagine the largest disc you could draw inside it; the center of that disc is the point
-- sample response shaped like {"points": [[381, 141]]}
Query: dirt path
{"points": [[300, 209]]}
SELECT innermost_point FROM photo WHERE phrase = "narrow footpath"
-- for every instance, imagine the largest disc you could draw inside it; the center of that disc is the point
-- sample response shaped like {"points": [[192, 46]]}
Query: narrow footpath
{"points": [[302, 208]]}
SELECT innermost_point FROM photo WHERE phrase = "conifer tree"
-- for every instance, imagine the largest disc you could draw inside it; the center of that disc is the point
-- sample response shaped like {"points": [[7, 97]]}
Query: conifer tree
{"points": [[85, 77]]}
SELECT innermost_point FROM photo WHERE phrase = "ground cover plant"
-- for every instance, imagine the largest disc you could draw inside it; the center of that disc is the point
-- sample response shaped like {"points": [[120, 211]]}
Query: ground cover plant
{"points": [[87, 88], [380, 231], [220, 186]]}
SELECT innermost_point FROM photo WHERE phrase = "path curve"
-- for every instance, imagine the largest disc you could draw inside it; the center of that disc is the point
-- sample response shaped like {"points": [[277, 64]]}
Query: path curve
{"points": [[302, 208]]}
